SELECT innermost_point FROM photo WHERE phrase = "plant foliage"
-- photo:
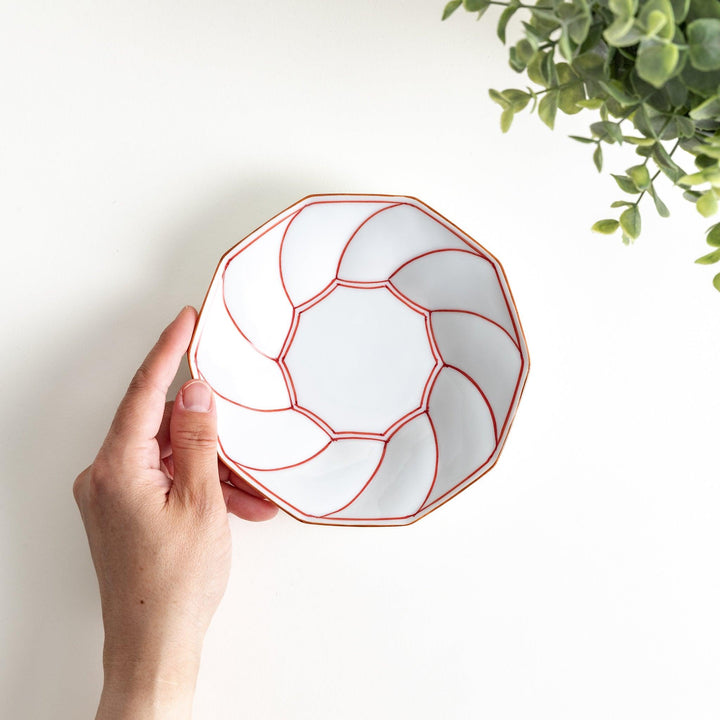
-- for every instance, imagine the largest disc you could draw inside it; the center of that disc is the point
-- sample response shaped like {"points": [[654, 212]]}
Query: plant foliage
{"points": [[650, 68]]}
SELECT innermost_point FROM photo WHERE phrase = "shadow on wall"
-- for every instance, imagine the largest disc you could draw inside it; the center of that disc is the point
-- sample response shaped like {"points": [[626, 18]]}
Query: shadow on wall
{"points": [[51, 659]]}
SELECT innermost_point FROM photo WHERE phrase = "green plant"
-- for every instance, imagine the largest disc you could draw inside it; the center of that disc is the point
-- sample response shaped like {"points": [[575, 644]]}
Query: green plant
{"points": [[650, 64]]}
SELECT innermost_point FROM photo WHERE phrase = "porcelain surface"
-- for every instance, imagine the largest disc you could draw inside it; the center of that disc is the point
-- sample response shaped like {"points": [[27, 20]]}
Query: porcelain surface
{"points": [[366, 356]]}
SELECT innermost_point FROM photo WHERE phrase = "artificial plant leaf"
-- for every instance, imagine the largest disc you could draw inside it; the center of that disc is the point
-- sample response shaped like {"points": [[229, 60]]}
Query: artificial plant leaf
{"points": [[517, 98], [514, 61], [716, 282], [565, 45], [640, 176], [708, 110], [639, 141], [585, 140], [660, 206], [709, 150], [549, 69], [624, 32], [713, 236], [615, 90], [697, 178], [598, 157], [704, 43], [703, 9], [476, 5], [625, 184], [668, 166], [499, 98], [547, 109], [623, 8], [630, 222], [506, 119], [658, 11], [608, 131], [703, 161], [656, 61], [707, 204], [591, 103], [680, 9], [505, 16], [534, 33], [589, 66], [644, 150], [578, 27], [572, 92], [525, 50], [709, 259], [684, 127], [676, 92], [702, 83], [450, 8], [655, 22], [606, 227], [535, 69]]}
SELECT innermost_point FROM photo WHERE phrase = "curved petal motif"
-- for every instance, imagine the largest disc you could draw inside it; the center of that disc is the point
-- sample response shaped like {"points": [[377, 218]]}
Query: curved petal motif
{"points": [[234, 368], [314, 242], [404, 477], [329, 480], [485, 352], [255, 439], [464, 430], [474, 286], [252, 280], [390, 239]]}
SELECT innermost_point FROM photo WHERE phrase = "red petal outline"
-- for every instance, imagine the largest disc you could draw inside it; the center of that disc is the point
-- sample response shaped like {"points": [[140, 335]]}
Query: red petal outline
{"points": [[406, 300], [282, 281], [284, 467], [280, 253], [233, 402], [315, 299], [435, 252], [237, 327], [362, 489], [501, 436], [482, 317], [357, 230], [484, 396], [435, 472]]}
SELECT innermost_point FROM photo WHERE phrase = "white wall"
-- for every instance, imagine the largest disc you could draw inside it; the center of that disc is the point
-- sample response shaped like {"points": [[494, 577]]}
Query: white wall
{"points": [[579, 579]]}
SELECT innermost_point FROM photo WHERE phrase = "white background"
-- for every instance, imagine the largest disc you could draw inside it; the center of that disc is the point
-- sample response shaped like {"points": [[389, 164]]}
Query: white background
{"points": [[578, 579]]}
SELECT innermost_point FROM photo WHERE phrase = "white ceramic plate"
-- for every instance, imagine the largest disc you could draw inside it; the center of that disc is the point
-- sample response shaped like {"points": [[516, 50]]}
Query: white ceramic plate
{"points": [[367, 359]]}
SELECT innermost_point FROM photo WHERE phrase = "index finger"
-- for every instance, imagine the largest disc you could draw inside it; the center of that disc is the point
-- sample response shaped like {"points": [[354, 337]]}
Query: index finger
{"points": [[140, 412]]}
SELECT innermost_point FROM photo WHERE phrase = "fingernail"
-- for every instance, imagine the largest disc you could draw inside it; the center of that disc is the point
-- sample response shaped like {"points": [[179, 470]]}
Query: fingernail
{"points": [[184, 310], [197, 397]]}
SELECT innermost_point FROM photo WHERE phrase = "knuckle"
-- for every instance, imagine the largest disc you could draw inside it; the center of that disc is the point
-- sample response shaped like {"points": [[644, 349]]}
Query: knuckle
{"points": [[141, 379], [79, 485], [194, 438], [98, 480]]}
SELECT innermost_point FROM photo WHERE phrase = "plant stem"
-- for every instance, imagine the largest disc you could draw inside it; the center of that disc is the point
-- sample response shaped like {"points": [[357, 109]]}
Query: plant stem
{"points": [[559, 87]]}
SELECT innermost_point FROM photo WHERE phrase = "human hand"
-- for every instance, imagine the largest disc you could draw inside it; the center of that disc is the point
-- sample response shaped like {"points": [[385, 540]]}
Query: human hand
{"points": [[155, 513]]}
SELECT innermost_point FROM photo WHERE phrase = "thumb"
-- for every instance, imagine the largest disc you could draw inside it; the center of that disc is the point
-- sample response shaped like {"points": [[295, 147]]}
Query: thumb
{"points": [[193, 437]]}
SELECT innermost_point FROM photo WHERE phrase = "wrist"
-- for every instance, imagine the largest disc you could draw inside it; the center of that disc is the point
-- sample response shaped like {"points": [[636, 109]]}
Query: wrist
{"points": [[148, 683]]}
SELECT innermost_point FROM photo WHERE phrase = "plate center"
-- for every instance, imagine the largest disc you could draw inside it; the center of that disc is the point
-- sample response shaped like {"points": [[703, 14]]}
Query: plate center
{"points": [[360, 359]]}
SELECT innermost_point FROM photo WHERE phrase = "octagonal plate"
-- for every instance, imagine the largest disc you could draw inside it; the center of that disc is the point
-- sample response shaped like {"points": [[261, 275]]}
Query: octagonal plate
{"points": [[366, 356]]}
